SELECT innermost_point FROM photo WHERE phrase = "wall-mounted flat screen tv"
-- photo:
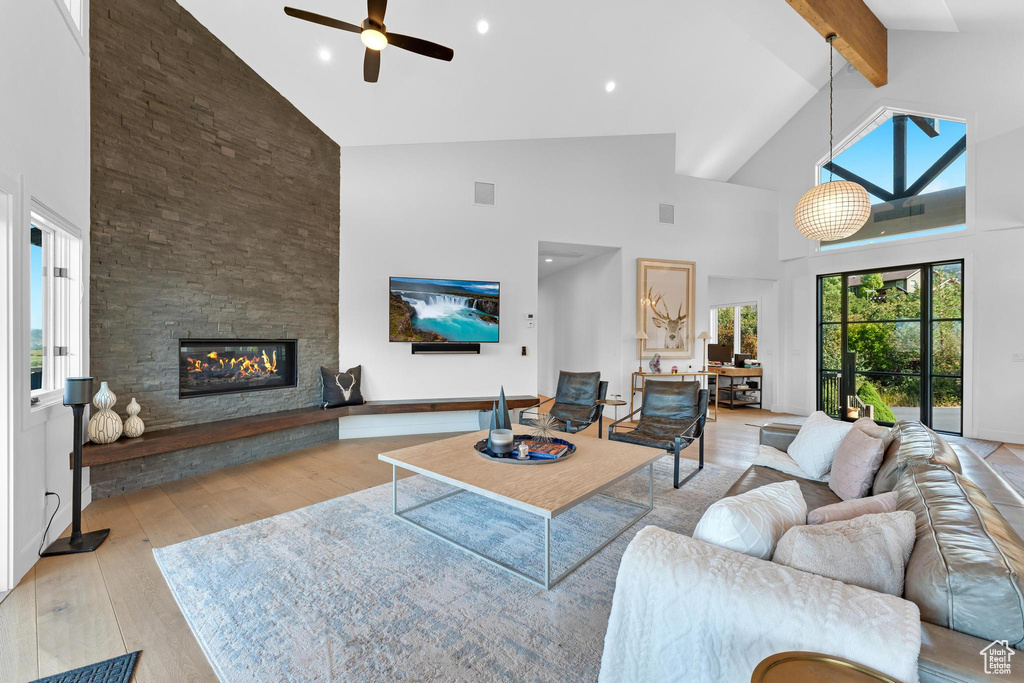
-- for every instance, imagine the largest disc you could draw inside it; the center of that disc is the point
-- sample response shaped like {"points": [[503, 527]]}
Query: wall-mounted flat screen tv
{"points": [[428, 310]]}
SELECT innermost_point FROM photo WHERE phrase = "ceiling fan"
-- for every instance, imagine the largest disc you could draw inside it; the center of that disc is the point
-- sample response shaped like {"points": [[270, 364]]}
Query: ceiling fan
{"points": [[376, 37]]}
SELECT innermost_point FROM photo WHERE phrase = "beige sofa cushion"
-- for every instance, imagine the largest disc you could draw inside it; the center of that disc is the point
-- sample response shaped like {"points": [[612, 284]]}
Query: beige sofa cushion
{"points": [[849, 509], [967, 569], [870, 551], [753, 522], [853, 469], [869, 427]]}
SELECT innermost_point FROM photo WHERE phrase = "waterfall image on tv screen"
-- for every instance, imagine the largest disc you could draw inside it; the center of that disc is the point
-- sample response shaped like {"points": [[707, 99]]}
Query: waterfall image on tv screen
{"points": [[425, 310]]}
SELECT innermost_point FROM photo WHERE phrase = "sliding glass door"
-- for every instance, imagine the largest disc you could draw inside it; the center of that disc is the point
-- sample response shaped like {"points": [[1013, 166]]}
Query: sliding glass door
{"points": [[890, 345]]}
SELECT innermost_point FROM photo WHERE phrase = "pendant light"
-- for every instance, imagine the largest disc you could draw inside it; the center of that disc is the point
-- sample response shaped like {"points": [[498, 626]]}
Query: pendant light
{"points": [[838, 208]]}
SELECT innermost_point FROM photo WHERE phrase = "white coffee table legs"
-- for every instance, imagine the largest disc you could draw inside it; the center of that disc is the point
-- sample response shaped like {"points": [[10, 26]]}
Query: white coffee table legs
{"points": [[548, 581]]}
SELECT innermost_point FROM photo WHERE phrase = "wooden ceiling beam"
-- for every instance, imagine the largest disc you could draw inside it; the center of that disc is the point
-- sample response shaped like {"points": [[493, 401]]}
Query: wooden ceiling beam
{"points": [[860, 36]]}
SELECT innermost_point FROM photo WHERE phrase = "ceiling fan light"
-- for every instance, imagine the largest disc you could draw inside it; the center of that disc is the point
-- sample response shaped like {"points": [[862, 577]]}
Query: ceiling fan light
{"points": [[374, 39], [832, 211]]}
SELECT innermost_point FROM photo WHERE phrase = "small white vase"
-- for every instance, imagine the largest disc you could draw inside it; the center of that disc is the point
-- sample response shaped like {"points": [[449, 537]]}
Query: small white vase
{"points": [[105, 426], [134, 426]]}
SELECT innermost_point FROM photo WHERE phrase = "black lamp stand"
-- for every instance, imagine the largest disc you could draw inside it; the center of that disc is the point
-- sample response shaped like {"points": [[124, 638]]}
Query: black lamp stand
{"points": [[77, 542]]}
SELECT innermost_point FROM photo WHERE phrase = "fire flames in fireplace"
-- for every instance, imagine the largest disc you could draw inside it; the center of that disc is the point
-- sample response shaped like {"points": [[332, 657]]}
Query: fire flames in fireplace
{"points": [[242, 366], [228, 366]]}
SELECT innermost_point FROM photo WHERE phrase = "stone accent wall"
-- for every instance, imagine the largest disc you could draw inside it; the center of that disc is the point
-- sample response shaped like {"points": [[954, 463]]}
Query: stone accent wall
{"points": [[215, 214]]}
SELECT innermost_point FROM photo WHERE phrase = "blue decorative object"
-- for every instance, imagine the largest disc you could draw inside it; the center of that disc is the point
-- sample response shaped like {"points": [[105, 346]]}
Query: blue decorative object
{"points": [[483, 449], [500, 417]]}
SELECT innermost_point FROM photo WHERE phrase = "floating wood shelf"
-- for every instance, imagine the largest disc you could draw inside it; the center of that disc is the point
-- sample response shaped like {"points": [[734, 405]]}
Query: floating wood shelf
{"points": [[179, 438]]}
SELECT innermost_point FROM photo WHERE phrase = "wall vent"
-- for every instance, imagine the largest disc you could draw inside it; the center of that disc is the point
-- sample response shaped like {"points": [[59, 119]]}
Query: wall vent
{"points": [[667, 214], [483, 194]]}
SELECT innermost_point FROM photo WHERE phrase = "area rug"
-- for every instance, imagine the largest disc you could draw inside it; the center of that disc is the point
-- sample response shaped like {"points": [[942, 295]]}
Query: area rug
{"points": [[115, 670], [342, 590]]}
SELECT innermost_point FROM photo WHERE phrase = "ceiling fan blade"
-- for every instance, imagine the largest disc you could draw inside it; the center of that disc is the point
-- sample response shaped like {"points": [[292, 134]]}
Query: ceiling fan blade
{"points": [[322, 20], [371, 65], [375, 10], [421, 47]]}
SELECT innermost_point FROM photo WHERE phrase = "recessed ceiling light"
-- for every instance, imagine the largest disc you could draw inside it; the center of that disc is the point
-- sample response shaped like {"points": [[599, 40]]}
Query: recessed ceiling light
{"points": [[609, 86], [482, 26], [548, 260], [325, 55]]}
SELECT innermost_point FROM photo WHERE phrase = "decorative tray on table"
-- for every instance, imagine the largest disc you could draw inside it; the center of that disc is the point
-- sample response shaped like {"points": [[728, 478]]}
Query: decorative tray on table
{"points": [[536, 458]]}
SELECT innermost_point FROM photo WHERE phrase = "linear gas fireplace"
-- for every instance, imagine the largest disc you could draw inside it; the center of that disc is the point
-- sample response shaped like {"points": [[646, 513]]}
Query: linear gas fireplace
{"points": [[228, 366]]}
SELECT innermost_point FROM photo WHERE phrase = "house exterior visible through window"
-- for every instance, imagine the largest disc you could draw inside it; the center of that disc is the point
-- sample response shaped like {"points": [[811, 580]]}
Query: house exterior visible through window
{"points": [[55, 329], [915, 171], [735, 326]]}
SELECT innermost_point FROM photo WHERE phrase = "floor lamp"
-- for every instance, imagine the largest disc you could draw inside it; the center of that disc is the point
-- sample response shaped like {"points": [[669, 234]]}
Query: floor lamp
{"points": [[77, 394], [704, 336]]}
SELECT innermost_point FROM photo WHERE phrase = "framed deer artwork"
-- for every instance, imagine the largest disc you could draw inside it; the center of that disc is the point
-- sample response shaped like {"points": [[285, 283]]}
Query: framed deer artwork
{"points": [[665, 293]]}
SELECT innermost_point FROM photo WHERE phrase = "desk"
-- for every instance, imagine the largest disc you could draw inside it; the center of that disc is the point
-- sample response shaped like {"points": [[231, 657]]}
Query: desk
{"points": [[703, 377], [732, 373]]}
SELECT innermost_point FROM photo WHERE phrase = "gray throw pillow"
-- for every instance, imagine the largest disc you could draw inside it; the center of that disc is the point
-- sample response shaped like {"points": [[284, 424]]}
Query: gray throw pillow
{"points": [[342, 388], [870, 551]]}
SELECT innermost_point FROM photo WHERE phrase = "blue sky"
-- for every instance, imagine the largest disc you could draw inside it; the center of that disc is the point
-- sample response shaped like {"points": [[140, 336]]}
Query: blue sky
{"points": [[871, 156], [36, 288]]}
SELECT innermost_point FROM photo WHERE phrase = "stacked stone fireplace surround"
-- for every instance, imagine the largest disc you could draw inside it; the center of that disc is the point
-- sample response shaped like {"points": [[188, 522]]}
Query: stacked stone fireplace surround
{"points": [[215, 215]]}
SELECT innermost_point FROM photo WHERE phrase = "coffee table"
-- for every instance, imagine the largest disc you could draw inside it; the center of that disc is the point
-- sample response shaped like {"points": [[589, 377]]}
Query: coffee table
{"points": [[544, 490]]}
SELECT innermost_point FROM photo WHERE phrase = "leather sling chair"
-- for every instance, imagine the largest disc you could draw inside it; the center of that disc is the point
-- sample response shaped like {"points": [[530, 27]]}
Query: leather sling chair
{"points": [[672, 416]]}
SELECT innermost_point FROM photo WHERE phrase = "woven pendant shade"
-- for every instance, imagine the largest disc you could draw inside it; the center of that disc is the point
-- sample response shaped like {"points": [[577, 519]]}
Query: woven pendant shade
{"points": [[832, 211]]}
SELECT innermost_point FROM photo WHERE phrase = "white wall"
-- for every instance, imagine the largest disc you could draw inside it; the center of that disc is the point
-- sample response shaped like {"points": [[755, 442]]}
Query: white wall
{"points": [[964, 76], [579, 309], [727, 291], [407, 210], [44, 148]]}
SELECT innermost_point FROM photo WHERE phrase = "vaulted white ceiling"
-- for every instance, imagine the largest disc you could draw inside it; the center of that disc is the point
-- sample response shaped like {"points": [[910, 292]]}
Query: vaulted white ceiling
{"points": [[723, 76]]}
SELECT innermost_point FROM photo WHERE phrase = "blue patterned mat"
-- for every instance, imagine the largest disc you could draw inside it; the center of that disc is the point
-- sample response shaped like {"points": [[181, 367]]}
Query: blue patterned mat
{"points": [[117, 670]]}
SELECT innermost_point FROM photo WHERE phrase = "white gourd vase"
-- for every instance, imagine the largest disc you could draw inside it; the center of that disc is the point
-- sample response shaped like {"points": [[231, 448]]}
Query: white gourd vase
{"points": [[134, 426], [105, 426]]}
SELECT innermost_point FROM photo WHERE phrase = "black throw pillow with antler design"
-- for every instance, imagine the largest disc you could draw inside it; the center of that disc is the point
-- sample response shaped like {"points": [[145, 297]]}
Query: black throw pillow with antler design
{"points": [[342, 388]]}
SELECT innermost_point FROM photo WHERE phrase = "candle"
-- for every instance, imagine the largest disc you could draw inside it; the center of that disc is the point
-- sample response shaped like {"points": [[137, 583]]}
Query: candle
{"points": [[501, 440]]}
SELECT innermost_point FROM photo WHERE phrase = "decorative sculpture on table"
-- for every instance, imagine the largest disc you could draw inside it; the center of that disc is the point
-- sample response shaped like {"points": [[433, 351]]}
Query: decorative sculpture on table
{"points": [[545, 426], [105, 426], [134, 426], [501, 422], [655, 364]]}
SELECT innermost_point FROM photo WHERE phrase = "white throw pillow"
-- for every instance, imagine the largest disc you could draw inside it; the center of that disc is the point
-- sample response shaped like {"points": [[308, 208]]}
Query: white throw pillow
{"points": [[753, 522], [857, 459], [849, 509], [815, 445], [870, 551], [868, 426], [774, 459]]}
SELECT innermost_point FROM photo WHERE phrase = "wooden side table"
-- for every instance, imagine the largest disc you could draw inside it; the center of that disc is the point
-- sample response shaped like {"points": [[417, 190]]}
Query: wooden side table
{"points": [[607, 402], [811, 667]]}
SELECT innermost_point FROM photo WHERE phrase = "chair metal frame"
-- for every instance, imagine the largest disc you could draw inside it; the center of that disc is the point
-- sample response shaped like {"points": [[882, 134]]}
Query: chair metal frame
{"points": [[696, 425]]}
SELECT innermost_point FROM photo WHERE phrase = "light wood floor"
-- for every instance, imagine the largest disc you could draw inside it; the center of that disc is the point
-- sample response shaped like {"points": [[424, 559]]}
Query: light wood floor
{"points": [[74, 610]]}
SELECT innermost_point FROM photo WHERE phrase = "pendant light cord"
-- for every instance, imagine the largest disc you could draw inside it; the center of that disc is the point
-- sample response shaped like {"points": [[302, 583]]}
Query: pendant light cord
{"points": [[830, 38]]}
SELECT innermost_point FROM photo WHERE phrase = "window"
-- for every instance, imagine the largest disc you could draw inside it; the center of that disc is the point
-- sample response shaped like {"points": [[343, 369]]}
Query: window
{"points": [[915, 171], [890, 344], [75, 10], [726, 320], [55, 334]]}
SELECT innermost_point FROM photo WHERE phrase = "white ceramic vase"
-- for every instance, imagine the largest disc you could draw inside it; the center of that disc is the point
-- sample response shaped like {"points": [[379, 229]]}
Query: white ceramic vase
{"points": [[105, 426], [134, 426]]}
